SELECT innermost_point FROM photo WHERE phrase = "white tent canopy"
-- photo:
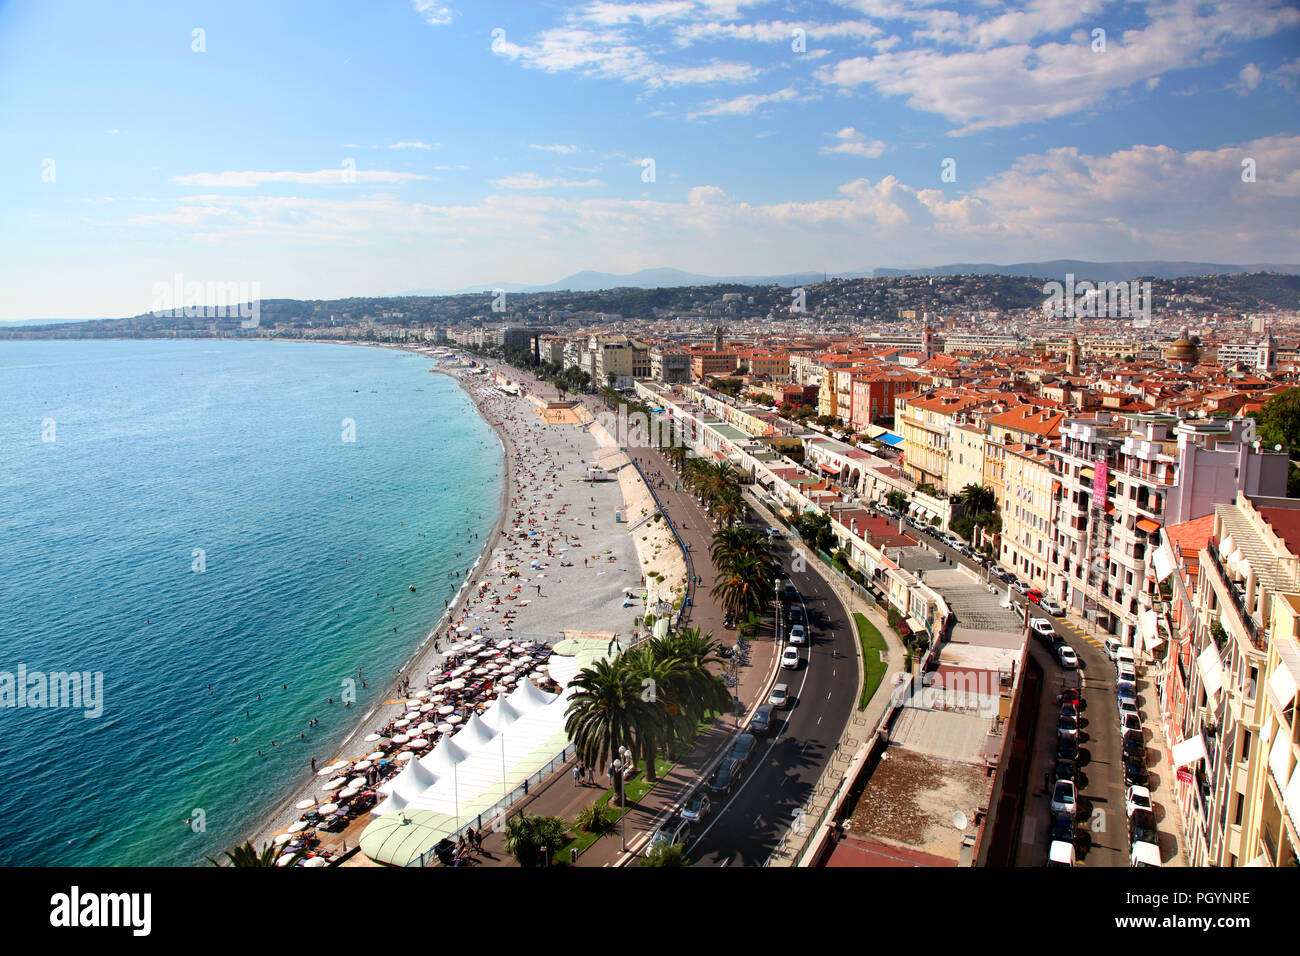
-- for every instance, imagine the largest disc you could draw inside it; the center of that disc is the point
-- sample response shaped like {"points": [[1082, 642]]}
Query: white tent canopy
{"points": [[1189, 750], [1211, 669]]}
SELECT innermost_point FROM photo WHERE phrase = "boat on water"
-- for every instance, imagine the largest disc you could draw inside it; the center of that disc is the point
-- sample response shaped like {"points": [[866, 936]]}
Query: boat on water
{"points": [[411, 586]]}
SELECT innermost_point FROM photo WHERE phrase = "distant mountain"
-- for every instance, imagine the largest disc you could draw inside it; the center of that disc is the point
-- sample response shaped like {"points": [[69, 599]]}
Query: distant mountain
{"points": [[1095, 271], [589, 281], [15, 323]]}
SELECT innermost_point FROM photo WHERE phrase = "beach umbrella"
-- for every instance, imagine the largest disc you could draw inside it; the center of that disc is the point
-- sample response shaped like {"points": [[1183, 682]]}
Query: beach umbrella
{"points": [[422, 694], [315, 861], [347, 793], [446, 709], [282, 839], [304, 804], [404, 756], [401, 739], [404, 722], [334, 785], [419, 743], [377, 755], [502, 644], [357, 782], [454, 719], [445, 728], [285, 859], [361, 765], [329, 808], [370, 738], [299, 826], [428, 707], [457, 685]]}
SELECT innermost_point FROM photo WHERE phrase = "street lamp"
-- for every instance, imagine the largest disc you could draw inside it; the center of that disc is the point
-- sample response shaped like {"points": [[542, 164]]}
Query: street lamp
{"points": [[622, 763]]}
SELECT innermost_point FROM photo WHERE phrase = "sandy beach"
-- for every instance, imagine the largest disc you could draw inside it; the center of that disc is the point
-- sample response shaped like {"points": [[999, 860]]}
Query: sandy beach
{"points": [[558, 559]]}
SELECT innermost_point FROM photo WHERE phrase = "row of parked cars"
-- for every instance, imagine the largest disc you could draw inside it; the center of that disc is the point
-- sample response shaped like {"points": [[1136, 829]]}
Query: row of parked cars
{"points": [[699, 805]]}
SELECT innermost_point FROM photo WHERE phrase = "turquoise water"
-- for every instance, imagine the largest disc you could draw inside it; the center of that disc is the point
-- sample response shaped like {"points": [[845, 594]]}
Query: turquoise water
{"points": [[309, 542]]}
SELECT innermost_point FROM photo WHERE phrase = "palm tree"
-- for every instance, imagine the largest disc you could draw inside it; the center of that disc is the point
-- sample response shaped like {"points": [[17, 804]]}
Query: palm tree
{"points": [[605, 713], [746, 585], [526, 835], [249, 856], [975, 499], [729, 507], [675, 452]]}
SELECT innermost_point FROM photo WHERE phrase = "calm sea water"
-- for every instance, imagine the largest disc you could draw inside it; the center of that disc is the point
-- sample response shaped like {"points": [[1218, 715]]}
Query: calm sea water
{"points": [[119, 463]]}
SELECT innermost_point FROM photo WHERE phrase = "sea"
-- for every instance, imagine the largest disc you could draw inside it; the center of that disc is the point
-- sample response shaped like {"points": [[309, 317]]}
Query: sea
{"points": [[225, 533]]}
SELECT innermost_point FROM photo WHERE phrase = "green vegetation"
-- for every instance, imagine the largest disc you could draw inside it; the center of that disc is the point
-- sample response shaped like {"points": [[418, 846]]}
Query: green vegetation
{"points": [[746, 579], [976, 507], [665, 854], [815, 528], [873, 667], [526, 835], [248, 855]]}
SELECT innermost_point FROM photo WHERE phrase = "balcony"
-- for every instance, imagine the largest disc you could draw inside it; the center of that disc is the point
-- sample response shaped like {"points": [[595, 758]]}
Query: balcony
{"points": [[1256, 633]]}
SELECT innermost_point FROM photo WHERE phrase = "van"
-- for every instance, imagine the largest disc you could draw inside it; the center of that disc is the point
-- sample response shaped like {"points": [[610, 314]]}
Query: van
{"points": [[1124, 655], [1112, 647], [1060, 853]]}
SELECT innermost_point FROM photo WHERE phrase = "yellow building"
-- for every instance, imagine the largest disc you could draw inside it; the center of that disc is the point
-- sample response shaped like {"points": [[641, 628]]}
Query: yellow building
{"points": [[1026, 504], [965, 455], [925, 422]]}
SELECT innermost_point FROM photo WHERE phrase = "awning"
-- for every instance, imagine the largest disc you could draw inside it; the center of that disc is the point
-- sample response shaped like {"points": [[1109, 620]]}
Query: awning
{"points": [[828, 469], [1147, 525], [1188, 751], [1164, 562], [1279, 757], [913, 508], [1086, 474], [889, 438], [918, 627], [1211, 669], [1282, 686]]}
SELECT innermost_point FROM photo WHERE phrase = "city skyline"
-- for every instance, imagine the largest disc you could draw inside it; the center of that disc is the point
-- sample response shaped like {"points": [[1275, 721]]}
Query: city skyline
{"points": [[430, 145]]}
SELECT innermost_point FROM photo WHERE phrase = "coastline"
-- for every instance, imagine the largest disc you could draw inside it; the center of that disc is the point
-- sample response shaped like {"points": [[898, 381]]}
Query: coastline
{"points": [[424, 656]]}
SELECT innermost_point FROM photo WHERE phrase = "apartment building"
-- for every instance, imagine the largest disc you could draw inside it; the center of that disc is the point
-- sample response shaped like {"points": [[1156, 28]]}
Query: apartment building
{"points": [[872, 394], [1239, 797], [672, 366], [965, 453], [1027, 507], [925, 421], [711, 363]]}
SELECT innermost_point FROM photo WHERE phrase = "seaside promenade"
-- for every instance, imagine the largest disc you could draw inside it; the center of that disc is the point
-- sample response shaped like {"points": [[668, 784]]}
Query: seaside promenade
{"points": [[561, 795]]}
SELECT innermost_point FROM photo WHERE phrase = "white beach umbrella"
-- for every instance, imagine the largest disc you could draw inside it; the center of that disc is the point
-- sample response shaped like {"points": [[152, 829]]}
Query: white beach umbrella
{"points": [[419, 743], [401, 739], [371, 738], [304, 804], [404, 756], [347, 793], [445, 728], [376, 755], [315, 861], [299, 826], [362, 765], [334, 785], [282, 839], [404, 722], [329, 808]]}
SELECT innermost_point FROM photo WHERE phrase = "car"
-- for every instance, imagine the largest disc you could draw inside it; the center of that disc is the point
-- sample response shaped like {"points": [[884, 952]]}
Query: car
{"points": [[1126, 707], [725, 777], [1067, 726], [1042, 627], [790, 591], [1020, 586], [1124, 655], [1126, 672], [1063, 827], [1067, 748], [1112, 646], [1070, 709], [790, 658], [1137, 798], [1144, 854], [773, 533], [1000, 574], [1051, 607], [742, 749], [1142, 827], [761, 722], [1135, 772], [1066, 770], [1126, 690], [798, 635], [1063, 797], [1135, 748], [1069, 696], [1065, 654], [1034, 595], [1060, 853], [674, 831], [1130, 723], [796, 614], [779, 697], [697, 807]]}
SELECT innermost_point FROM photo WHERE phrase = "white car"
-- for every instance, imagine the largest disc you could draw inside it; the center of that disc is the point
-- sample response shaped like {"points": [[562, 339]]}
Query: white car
{"points": [[1067, 657], [1063, 798], [1041, 625], [1112, 647], [798, 635], [790, 658], [1127, 707], [1051, 607], [780, 696], [1126, 672], [1137, 798]]}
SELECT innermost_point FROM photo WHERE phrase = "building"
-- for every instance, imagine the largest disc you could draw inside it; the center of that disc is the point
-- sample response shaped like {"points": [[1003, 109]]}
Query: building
{"points": [[925, 421]]}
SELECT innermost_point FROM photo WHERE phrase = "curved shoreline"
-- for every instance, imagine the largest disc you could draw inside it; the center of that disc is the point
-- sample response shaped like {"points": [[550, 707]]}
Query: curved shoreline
{"points": [[423, 656]]}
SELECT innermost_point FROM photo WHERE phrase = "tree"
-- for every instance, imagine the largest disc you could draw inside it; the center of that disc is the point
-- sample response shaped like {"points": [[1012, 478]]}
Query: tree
{"points": [[526, 835], [665, 854], [606, 712], [249, 856], [896, 500]]}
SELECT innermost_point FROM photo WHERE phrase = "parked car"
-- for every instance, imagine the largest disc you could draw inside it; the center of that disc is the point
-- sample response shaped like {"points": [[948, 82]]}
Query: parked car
{"points": [[1067, 748], [1034, 595], [798, 635], [1126, 691], [1063, 827], [1063, 797], [1142, 827], [1124, 655], [1137, 798], [1144, 854], [1126, 672], [1112, 646], [1067, 726], [1126, 707], [1130, 723], [742, 749], [1060, 853], [761, 722], [1051, 607], [697, 807], [725, 777], [1135, 772], [1135, 748], [998, 573], [1069, 696], [779, 696], [790, 658], [1065, 654], [1066, 770], [1042, 628], [672, 831], [1021, 586], [1070, 708], [796, 614]]}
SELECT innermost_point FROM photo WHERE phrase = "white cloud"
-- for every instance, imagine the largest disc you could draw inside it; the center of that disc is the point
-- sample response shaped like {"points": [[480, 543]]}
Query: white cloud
{"points": [[1248, 79], [322, 177], [533, 181], [415, 145], [560, 148], [433, 13], [853, 143], [745, 105]]}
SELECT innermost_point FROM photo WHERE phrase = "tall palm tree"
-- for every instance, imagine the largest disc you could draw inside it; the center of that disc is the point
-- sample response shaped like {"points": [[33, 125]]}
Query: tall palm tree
{"points": [[975, 499], [729, 507], [248, 855], [606, 713], [746, 585]]}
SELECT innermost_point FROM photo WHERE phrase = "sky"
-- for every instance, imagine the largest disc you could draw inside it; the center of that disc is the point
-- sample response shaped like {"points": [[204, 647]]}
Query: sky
{"points": [[327, 149]]}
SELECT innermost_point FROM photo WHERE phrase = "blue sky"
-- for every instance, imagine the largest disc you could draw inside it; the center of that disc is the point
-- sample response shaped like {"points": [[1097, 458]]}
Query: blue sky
{"points": [[365, 148]]}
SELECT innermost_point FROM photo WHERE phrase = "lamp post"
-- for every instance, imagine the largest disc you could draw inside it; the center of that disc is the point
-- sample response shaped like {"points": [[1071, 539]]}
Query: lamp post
{"points": [[622, 763]]}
